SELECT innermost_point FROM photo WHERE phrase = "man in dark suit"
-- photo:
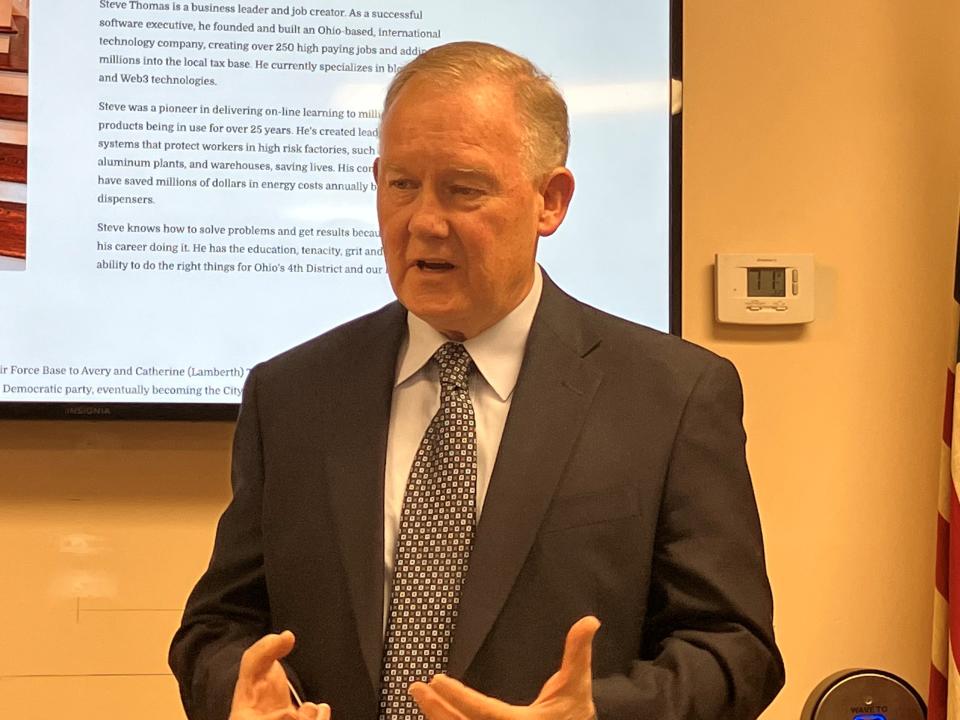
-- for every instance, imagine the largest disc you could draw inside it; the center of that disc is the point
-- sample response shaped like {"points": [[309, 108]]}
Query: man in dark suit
{"points": [[610, 475]]}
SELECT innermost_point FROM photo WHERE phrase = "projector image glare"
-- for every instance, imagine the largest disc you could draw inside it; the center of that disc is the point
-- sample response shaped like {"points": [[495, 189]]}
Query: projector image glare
{"points": [[864, 695]]}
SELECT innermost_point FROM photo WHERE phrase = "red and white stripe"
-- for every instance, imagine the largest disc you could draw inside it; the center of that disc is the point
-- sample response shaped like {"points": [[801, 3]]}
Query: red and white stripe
{"points": [[944, 696]]}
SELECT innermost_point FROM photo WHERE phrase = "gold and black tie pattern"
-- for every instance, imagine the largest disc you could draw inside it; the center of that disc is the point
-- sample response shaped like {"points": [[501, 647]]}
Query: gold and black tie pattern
{"points": [[433, 545]]}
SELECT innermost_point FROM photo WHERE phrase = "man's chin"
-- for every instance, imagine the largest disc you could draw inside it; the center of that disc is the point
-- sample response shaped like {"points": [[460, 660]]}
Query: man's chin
{"points": [[452, 321], [428, 299], [440, 320]]}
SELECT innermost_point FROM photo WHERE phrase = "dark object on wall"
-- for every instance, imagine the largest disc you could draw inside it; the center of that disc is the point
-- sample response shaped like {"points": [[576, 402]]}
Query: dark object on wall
{"points": [[864, 694]]}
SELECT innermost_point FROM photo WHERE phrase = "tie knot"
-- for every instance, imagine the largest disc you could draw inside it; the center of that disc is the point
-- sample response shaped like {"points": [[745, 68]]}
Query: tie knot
{"points": [[454, 362]]}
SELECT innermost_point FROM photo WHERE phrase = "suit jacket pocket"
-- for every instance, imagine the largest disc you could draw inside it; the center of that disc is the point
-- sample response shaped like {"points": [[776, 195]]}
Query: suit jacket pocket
{"points": [[578, 510]]}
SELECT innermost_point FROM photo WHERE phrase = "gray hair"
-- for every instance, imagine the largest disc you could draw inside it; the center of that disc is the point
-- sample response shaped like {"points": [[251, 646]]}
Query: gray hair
{"points": [[542, 110]]}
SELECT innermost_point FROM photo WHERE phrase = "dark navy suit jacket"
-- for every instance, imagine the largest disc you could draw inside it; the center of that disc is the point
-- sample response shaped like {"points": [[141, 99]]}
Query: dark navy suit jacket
{"points": [[620, 490]]}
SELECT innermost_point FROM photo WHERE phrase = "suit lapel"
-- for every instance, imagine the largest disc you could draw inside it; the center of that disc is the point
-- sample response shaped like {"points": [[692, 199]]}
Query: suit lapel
{"points": [[356, 435], [551, 399]]}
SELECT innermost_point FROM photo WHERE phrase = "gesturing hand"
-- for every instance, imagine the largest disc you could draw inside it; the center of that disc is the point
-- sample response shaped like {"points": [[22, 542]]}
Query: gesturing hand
{"points": [[567, 695], [262, 691]]}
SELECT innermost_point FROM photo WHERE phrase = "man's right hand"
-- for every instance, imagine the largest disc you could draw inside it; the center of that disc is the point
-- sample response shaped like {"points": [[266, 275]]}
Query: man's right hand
{"points": [[262, 691]]}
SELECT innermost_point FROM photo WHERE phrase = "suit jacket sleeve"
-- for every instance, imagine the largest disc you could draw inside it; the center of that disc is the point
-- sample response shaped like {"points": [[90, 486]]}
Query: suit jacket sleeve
{"points": [[228, 609], [708, 646]]}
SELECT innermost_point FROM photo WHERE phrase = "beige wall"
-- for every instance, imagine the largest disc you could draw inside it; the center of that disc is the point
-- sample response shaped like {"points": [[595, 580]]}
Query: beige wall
{"points": [[834, 128], [825, 127], [103, 529]]}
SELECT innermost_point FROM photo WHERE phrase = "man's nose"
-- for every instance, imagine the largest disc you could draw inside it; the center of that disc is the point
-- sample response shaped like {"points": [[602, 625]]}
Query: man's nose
{"points": [[427, 217]]}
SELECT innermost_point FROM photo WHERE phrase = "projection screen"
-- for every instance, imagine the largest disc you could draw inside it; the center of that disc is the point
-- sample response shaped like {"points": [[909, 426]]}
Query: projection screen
{"points": [[200, 192]]}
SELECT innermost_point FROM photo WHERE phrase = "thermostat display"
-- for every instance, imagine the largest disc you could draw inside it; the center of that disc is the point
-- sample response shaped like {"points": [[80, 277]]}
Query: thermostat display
{"points": [[764, 289], [766, 282]]}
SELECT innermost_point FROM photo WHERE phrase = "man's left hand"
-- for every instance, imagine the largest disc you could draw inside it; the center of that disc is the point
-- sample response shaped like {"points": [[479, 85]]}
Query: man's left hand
{"points": [[567, 695]]}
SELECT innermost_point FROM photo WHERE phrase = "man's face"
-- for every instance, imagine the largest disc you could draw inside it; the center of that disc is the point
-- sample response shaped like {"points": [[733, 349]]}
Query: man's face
{"points": [[459, 212]]}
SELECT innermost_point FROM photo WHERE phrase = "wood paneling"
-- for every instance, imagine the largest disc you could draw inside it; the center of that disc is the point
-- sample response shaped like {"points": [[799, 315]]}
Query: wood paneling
{"points": [[13, 107], [17, 59], [13, 229], [13, 163]]}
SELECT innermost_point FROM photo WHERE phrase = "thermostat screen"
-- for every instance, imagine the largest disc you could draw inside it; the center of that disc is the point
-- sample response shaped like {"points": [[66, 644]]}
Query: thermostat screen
{"points": [[766, 282]]}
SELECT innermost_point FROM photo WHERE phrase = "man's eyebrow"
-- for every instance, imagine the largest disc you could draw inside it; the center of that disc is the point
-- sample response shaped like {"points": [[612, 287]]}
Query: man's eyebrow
{"points": [[473, 173], [392, 167]]}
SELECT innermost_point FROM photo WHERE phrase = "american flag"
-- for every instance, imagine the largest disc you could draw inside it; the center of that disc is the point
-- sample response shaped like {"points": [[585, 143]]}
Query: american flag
{"points": [[944, 697]]}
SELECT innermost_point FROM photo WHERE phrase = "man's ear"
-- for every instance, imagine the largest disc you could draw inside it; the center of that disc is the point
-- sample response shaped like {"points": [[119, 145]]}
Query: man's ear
{"points": [[376, 171], [557, 191]]}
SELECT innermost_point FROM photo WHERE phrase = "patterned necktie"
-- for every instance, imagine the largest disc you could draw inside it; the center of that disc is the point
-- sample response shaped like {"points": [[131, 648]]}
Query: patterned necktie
{"points": [[433, 545]]}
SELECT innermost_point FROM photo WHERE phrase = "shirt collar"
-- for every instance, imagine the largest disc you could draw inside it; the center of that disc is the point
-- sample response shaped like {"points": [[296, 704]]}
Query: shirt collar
{"points": [[497, 352]]}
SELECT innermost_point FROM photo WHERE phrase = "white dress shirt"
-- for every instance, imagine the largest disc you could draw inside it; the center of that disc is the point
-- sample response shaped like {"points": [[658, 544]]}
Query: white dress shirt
{"points": [[497, 354]]}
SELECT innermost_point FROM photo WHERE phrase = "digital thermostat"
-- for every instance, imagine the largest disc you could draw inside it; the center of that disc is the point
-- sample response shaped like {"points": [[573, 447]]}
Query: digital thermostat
{"points": [[767, 289]]}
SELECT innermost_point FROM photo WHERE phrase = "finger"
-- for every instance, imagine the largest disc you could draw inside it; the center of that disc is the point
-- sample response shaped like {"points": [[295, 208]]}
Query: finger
{"points": [[467, 701], [578, 648], [259, 657], [288, 714], [323, 712], [308, 711], [432, 705]]}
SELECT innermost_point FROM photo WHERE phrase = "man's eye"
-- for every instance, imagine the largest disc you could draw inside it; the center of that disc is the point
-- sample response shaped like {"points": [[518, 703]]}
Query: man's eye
{"points": [[466, 191], [402, 184]]}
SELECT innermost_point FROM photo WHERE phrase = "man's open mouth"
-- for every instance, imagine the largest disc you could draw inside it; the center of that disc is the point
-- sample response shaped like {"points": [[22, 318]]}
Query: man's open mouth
{"points": [[434, 265]]}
